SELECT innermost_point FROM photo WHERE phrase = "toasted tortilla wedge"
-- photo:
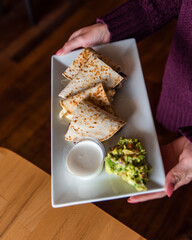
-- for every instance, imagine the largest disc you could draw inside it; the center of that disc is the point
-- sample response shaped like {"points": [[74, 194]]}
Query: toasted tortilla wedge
{"points": [[96, 95], [81, 60], [91, 121], [94, 71]]}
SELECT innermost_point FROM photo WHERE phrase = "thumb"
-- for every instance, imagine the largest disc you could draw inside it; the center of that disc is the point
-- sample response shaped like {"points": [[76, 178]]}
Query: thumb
{"points": [[174, 179]]}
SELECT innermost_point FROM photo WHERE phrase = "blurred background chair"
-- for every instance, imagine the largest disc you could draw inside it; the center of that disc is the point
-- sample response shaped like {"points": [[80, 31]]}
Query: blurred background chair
{"points": [[30, 11], [29, 7]]}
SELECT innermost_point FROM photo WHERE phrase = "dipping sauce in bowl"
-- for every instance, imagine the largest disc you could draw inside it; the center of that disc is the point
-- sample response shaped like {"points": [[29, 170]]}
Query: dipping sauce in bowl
{"points": [[85, 159]]}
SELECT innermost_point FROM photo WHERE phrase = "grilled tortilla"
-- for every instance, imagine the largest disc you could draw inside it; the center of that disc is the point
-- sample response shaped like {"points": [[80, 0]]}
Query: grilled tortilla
{"points": [[94, 71], [81, 60], [96, 95], [91, 121]]}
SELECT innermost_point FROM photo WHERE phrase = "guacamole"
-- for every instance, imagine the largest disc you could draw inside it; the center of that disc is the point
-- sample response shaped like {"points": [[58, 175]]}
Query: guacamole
{"points": [[127, 160]]}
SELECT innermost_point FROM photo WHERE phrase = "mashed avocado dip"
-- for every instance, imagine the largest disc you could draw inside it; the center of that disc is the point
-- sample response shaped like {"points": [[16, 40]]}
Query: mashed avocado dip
{"points": [[127, 160]]}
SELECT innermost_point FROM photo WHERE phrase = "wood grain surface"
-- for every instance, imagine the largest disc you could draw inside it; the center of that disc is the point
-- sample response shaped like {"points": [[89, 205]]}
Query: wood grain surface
{"points": [[26, 212], [25, 57]]}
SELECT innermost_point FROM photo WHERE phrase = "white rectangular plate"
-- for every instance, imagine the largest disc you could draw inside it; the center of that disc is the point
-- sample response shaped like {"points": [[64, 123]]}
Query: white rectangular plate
{"points": [[131, 104]]}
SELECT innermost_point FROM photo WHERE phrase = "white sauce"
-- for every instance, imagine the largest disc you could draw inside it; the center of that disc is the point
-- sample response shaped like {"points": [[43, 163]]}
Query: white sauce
{"points": [[85, 159]]}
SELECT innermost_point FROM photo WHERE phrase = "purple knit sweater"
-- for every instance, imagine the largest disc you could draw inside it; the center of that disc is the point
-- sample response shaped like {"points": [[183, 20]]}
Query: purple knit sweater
{"points": [[138, 19]]}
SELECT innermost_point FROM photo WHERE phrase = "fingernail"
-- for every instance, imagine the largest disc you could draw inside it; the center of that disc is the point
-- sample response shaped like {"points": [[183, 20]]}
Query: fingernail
{"points": [[59, 52], [170, 189], [131, 201]]}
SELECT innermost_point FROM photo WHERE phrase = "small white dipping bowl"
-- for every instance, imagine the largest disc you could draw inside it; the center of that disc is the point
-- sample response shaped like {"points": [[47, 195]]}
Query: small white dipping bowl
{"points": [[85, 160]]}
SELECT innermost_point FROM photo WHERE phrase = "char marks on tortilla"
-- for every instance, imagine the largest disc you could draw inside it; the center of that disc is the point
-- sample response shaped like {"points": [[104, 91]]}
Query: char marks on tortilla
{"points": [[91, 121], [94, 71], [81, 60], [96, 95]]}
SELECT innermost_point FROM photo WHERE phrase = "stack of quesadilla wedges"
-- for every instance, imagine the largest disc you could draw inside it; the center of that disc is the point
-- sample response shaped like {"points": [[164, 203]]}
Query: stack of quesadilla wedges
{"points": [[94, 71], [84, 99]]}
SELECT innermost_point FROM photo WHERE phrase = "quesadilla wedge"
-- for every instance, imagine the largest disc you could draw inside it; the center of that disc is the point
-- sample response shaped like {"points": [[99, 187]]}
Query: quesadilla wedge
{"points": [[96, 95], [91, 121], [94, 71], [81, 60]]}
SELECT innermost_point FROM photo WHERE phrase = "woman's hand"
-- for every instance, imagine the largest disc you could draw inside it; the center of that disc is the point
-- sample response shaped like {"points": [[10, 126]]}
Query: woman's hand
{"points": [[86, 37], [177, 158]]}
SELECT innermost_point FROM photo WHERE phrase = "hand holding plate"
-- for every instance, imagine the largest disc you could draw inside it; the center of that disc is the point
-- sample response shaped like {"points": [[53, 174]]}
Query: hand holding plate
{"points": [[177, 157], [95, 34]]}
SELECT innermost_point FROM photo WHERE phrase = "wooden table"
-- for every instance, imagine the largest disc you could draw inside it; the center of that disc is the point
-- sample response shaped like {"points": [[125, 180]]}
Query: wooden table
{"points": [[26, 212]]}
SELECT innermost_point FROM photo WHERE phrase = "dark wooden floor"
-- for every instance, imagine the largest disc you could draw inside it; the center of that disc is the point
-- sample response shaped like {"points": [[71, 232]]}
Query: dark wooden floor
{"points": [[25, 53]]}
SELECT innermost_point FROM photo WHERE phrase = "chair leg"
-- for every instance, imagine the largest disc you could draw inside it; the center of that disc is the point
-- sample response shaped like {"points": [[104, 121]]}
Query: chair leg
{"points": [[2, 8], [30, 12]]}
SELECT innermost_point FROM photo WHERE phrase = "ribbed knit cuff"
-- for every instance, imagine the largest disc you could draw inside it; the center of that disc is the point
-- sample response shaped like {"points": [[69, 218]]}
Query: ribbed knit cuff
{"points": [[138, 18], [127, 21], [187, 132]]}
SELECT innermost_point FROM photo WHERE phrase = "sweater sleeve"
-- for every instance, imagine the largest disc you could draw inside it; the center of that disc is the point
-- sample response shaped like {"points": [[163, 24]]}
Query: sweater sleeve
{"points": [[187, 132], [140, 18]]}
